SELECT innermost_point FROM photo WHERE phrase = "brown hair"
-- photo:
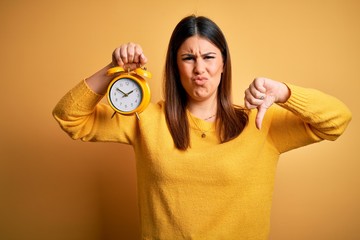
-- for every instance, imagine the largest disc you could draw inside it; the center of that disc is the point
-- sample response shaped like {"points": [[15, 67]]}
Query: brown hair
{"points": [[231, 120]]}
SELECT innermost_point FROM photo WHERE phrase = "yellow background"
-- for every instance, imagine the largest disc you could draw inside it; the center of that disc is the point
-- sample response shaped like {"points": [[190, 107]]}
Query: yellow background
{"points": [[52, 187]]}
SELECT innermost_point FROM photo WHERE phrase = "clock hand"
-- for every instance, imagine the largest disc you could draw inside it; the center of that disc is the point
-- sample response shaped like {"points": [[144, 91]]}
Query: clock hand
{"points": [[130, 92], [125, 94]]}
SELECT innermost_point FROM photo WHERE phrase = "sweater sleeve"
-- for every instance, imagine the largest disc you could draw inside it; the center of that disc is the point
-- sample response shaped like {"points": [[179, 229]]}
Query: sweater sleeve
{"points": [[308, 116], [82, 116]]}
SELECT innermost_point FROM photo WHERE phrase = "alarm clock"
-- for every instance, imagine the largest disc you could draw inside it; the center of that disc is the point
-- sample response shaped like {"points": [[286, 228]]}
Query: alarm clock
{"points": [[128, 93]]}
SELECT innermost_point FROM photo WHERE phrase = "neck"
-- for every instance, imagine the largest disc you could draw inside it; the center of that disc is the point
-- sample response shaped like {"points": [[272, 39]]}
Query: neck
{"points": [[205, 110]]}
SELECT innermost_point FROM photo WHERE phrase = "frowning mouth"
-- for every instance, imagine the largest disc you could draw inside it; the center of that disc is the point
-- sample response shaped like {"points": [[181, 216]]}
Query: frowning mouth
{"points": [[199, 80]]}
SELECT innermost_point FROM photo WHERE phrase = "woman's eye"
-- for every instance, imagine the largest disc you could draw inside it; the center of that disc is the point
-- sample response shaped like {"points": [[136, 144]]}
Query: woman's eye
{"points": [[188, 58], [193, 58], [209, 57]]}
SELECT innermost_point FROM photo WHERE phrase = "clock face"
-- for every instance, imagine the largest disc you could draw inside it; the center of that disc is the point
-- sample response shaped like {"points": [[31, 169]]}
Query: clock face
{"points": [[125, 94]]}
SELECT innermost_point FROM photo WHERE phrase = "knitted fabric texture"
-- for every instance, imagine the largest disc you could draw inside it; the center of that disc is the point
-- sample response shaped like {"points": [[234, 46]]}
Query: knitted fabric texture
{"points": [[211, 190]]}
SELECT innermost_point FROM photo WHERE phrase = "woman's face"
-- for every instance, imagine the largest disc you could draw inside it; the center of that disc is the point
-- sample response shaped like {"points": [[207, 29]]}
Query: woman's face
{"points": [[200, 66]]}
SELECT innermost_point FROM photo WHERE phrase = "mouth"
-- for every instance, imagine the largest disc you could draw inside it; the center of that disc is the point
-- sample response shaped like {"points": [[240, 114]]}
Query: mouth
{"points": [[199, 80]]}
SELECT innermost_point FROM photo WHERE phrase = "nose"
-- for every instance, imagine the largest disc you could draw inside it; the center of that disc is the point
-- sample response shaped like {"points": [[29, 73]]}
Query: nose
{"points": [[199, 67]]}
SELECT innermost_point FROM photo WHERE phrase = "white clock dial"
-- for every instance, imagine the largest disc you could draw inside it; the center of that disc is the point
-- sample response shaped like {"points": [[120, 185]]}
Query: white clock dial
{"points": [[125, 94]]}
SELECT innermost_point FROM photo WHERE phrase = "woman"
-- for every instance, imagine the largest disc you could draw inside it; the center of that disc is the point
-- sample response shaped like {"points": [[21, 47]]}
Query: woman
{"points": [[205, 167]]}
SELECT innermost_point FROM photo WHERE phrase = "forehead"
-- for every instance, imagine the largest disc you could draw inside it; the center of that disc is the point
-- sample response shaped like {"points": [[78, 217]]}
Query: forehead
{"points": [[198, 45]]}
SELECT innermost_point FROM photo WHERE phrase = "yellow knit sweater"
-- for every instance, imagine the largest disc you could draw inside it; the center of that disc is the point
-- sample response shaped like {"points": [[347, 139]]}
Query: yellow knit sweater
{"points": [[210, 191]]}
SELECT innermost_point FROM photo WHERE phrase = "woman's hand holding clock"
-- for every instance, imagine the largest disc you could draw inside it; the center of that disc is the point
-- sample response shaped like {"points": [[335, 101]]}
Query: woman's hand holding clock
{"points": [[129, 56]]}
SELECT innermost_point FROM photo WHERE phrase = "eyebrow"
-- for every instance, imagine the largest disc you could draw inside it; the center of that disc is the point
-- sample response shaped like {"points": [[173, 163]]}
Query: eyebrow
{"points": [[205, 54]]}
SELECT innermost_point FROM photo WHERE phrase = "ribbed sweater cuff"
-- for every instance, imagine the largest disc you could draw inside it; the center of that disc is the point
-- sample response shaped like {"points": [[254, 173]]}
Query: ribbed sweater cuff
{"points": [[298, 100], [84, 97]]}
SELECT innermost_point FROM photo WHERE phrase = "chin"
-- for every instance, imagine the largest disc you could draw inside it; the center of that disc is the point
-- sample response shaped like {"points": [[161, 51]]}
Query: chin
{"points": [[200, 97]]}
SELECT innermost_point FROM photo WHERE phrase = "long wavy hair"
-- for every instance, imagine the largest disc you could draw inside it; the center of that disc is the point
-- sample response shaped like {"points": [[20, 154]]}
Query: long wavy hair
{"points": [[230, 119]]}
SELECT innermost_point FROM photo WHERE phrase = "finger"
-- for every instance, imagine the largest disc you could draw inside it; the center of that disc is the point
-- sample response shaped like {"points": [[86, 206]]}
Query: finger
{"points": [[137, 54], [124, 54], [116, 58], [260, 116], [268, 102], [143, 59], [256, 94], [130, 52], [248, 105], [251, 101], [259, 84], [257, 90]]}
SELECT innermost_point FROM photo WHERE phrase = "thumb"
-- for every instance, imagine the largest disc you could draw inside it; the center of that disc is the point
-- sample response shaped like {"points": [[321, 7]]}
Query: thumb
{"points": [[269, 100], [260, 116]]}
